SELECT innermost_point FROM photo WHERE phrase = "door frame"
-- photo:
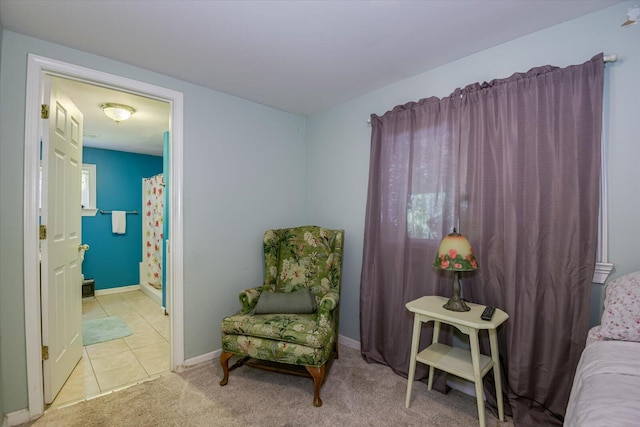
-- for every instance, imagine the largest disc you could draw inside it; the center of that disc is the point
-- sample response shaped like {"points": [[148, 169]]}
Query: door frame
{"points": [[37, 66]]}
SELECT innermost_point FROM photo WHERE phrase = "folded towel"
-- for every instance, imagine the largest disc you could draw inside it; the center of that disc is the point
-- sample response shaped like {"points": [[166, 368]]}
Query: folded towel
{"points": [[118, 222]]}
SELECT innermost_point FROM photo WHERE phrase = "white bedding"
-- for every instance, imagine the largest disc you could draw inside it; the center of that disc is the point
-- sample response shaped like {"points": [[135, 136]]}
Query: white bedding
{"points": [[606, 388]]}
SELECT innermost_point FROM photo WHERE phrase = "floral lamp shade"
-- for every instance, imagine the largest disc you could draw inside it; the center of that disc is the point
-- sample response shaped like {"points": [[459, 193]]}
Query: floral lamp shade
{"points": [[455, 254]]}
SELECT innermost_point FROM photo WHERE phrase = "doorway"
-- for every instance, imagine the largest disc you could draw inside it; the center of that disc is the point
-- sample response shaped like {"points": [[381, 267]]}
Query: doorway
{"points": [[37, 68], [116, 155]]}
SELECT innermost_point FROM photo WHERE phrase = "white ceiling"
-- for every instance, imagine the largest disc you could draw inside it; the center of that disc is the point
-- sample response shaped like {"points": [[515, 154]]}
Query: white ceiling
{"points": [[142, 133], [296, 56]]}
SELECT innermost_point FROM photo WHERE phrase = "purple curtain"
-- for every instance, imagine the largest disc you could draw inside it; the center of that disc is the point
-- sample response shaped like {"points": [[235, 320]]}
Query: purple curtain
{"points": [[517, 161], [530, 176], [411, 205]]}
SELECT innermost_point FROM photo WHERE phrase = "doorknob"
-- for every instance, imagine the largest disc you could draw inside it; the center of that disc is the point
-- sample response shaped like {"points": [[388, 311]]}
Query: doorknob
{"points": [[84, 247]]}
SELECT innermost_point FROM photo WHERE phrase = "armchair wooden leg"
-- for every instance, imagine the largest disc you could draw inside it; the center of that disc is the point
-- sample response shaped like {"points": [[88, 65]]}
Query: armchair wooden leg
{"points": [[224, 362], [317, 372]]}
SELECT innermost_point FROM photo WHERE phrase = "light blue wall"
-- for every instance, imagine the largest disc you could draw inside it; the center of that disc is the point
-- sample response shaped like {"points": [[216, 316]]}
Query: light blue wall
{"points": [[246, 164], [113, 259], [244, 173], [340, 136], [2, 411]]}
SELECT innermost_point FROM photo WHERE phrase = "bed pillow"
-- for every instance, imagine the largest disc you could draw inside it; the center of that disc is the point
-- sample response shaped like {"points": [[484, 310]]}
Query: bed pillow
{"points": [[621, 316], [298, 302]]}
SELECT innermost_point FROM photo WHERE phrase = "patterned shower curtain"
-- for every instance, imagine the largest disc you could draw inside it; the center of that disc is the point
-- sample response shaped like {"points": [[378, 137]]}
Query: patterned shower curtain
{"points": [[153, 205]]}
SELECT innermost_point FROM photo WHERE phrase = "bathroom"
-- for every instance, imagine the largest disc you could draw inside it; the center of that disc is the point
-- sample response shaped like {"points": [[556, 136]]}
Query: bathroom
{"points": [[121, 259]]}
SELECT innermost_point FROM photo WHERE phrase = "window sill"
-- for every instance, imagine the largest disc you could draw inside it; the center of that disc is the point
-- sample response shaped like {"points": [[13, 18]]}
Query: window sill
{"points": [[602, 271], [89, 212]]}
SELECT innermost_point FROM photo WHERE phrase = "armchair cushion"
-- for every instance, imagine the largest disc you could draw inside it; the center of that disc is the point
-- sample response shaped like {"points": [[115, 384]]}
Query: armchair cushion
{"points": [[294, 328], [277, 351], [301, 302]]}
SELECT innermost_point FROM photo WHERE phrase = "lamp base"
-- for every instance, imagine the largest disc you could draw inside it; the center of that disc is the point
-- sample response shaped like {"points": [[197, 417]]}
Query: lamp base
{"points": [[456, 304]]}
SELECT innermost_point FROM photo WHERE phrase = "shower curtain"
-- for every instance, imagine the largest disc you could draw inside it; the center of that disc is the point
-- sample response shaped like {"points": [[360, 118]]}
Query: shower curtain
{"points": [[153, 205]]}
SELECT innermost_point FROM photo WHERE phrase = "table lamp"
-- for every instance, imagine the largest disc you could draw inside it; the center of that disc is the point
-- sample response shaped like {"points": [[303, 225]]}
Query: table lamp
{"points": [[455, 254]]}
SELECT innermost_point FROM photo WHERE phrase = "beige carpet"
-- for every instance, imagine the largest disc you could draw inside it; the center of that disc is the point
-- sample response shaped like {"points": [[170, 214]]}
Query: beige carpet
{"points": [[354, 394]]}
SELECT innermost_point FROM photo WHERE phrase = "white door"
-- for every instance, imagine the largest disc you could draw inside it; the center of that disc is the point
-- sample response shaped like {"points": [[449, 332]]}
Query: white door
{"points": [[61, 287]]}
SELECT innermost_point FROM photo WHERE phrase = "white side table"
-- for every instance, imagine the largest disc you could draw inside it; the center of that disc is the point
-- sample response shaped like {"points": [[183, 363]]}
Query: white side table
{"points": [[470, 365]]}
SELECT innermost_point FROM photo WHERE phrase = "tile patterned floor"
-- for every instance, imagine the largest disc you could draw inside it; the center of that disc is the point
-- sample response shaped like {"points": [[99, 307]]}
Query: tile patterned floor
{"points": [[115, 364]]}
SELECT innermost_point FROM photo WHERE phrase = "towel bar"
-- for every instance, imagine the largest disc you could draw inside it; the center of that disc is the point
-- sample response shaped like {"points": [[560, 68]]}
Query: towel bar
{"points": [[127, 212]]}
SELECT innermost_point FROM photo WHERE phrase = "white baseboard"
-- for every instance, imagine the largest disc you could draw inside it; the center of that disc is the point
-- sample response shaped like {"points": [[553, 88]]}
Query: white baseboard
{"points": [[207, 357], [348, 342], [118, 290], [16, 418], [462, 385], [154, 294]]}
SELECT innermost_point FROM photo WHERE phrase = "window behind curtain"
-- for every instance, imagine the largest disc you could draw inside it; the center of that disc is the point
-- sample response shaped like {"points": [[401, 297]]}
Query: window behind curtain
{"points": [[517, 162]]}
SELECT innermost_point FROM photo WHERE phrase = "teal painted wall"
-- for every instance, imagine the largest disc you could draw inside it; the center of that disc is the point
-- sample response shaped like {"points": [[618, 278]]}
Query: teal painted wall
{"points": [[113, 259]]}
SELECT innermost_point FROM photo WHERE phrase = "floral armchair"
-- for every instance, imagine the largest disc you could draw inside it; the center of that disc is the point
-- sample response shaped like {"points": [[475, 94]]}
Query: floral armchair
{"points": [[297, 260]]}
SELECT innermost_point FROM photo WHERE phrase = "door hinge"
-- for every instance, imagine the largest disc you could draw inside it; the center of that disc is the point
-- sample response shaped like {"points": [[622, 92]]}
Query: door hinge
{"points": [[43, 232], [44, 111], [45, 352]]}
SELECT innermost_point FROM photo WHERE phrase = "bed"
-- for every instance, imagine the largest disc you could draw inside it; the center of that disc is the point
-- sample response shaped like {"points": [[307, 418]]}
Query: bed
{"points": [[606, 387]]}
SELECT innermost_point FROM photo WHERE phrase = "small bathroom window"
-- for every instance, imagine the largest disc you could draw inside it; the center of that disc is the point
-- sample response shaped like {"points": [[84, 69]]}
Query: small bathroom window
{"points": [[88, 198]]}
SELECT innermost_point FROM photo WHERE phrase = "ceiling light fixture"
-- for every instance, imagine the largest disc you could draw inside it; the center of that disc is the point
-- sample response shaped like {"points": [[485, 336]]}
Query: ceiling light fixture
{"points": [[117, 112], [632, 16]]}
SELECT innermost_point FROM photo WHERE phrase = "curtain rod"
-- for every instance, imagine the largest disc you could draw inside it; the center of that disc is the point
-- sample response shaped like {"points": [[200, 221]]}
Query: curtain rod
{"points": [[613, 57]]}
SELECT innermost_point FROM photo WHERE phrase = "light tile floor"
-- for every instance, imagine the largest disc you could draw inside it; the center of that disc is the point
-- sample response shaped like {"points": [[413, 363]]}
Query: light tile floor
{"points": [[118, 363]]}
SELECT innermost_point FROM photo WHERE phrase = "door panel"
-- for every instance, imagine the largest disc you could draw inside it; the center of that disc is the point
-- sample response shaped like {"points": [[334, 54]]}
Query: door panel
{"points": [[61, 213]]}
